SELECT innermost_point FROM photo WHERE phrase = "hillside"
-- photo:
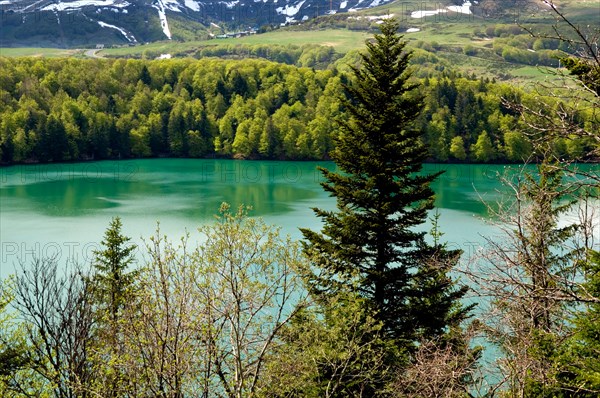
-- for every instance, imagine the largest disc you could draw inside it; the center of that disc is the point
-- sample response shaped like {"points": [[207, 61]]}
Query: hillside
{"points": [[489, 41], [89, 22], [485, 38], [84, 23]]}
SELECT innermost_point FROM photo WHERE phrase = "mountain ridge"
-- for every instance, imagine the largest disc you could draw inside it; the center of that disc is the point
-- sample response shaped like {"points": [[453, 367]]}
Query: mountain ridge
{"points": [[86, 22]]}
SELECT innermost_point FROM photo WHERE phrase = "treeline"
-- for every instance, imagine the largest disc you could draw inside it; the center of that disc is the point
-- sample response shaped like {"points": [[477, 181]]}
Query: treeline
{"points": [[307, 55], [56, 110], [470, 119], [70, 109]]}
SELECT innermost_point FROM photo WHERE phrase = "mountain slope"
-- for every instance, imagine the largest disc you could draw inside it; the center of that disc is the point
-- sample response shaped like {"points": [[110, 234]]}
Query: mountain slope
{"points": [[86, 22]]}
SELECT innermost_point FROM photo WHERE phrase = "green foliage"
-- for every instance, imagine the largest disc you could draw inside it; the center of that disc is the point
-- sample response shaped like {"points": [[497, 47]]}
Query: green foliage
{"points": [[61, 110], [370, 245], [113, 288], [517, 147], [193, 321], [206, 318], [483, 149], [533, 277], [113, 109], [13, 352], [577, 366], [586, 71], [335, 348], [457, 148]]}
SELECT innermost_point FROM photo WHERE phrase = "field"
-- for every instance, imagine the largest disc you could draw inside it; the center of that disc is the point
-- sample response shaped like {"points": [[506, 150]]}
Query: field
{"points": [[341, 39], [39, 52]]}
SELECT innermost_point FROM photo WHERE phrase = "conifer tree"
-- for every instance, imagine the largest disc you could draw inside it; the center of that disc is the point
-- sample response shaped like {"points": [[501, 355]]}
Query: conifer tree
{"points": [[112, 287], [371, 244], [112, 281]]}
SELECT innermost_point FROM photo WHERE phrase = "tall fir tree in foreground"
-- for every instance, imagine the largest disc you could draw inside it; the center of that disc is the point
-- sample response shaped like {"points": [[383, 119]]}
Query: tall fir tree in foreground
{"points": [[371, 244]]}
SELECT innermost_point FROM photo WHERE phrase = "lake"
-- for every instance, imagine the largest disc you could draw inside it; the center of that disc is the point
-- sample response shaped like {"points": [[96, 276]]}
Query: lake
{"points": [[63, 209]]}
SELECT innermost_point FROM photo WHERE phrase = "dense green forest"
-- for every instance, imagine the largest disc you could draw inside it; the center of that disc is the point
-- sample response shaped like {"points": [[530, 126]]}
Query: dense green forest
{"points": [[71, 109]]}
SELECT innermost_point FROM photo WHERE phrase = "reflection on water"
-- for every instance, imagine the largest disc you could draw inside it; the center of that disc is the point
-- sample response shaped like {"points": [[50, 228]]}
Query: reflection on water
{"points": [[194, 188], [184, 188]]}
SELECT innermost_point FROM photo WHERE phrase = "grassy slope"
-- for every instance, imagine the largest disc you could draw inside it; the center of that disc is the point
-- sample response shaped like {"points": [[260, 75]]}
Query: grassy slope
{"points": [[343, 40], [452, 32], [457, 31], [38, 52]]}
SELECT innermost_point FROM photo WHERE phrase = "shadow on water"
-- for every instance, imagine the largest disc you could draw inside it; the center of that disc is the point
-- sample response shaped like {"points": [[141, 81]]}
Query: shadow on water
{"points": [[465, 187]]}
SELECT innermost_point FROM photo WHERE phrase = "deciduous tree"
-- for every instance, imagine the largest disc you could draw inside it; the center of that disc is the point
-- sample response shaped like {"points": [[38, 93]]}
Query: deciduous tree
{"points": [[54, 307], [532, 274]]}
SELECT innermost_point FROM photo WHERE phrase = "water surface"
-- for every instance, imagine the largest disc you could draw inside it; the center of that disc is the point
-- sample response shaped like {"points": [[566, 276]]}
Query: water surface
{"points": [[63, 209]]}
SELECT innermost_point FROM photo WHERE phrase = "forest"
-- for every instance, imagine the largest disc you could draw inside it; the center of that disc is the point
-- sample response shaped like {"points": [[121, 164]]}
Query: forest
{"points": [[54, 110]]}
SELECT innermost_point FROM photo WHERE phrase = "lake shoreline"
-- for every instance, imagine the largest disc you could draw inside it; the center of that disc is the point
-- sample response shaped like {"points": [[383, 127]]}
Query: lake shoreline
{"points": [[258, 159]]}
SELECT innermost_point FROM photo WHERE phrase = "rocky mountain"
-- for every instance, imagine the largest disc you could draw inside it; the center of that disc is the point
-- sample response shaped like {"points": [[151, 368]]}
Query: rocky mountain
{"points": [[67, 23]]}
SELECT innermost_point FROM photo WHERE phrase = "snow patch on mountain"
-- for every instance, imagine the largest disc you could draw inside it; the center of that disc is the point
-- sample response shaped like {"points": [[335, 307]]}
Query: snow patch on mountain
{"points": [[373, 17], [130, 38], [289, 10], [464, 9], [356, 6], [192, 5], [230, 4], [172, 5], [423, 14], [84, 3], [163, 18], [251, 13]]}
